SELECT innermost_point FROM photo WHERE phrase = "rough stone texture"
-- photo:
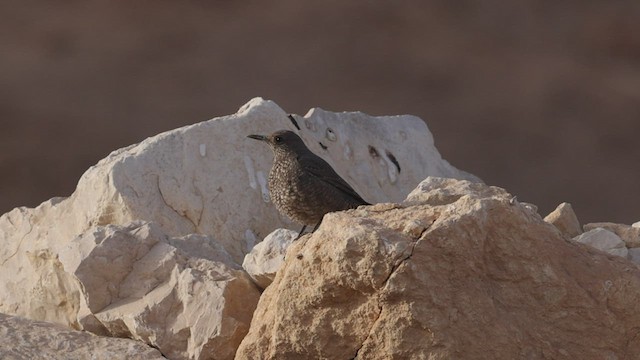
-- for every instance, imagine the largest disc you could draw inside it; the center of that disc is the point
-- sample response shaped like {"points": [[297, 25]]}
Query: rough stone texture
{"points": [[209, 178], [183, 295], [565, 219], [22, 339], [383, 158], [629, 234], [605, 240], [62, 262], [458, 271], [634, 255], [267, 257], [636, 224]]}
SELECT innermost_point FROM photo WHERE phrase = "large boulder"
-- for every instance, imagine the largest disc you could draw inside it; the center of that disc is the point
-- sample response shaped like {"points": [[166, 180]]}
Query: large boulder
{"points": [[458, 270], [22, 339]]}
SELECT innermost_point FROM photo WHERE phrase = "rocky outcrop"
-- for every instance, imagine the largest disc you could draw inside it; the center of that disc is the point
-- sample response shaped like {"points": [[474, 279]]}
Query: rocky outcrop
{"points": [[148, 245], [22, 338], [458, 270], [209, 178]]}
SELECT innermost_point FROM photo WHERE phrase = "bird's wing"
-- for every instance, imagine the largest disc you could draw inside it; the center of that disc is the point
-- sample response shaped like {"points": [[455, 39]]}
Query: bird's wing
{"points": [[317, 167]]}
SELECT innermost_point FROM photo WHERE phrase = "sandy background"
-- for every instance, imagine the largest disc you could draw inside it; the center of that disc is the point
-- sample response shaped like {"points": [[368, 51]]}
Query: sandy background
{"points": [[539, 97]]}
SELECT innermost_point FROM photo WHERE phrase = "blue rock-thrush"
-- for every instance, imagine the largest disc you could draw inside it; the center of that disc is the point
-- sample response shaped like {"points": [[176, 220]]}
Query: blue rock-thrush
{"points": [[302, 185]]}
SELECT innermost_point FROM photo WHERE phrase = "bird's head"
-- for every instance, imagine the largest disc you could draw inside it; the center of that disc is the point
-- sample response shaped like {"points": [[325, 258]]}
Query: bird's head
{"points": [[282, 141]]}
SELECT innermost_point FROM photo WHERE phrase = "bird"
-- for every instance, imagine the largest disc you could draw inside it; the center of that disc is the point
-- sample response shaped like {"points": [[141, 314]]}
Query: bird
{"points": [[302, 185]]}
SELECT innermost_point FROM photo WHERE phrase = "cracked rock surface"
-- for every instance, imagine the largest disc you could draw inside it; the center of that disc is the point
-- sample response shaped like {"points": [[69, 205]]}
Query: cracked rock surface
{"points": [[458, 270], [208, 178], [22, 338], [181, 295], [149, 244]]}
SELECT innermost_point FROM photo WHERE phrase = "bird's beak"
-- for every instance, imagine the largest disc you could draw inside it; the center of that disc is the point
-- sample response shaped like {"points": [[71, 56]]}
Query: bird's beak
{"points": [[258, 137]]}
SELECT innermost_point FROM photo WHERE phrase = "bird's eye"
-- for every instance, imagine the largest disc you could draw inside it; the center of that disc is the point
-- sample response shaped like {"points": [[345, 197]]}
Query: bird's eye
{"points": [[277, 139]]}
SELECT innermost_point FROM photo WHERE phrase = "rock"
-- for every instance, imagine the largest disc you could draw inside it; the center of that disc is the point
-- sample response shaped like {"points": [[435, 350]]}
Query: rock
{"points": [[530, 206], [80, 262], [629, 234], [636, 224], [634, 255], [383, 157], [22, 338], [439, 191], [565, 219], [456, 271], [196, 178], [265, 259], [604, 240], [183, 295], [622, 252]]}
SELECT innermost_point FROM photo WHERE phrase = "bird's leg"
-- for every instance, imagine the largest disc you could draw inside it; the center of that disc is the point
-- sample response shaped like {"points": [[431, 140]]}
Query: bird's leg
{"points": [[316, 227], [301, 232]]}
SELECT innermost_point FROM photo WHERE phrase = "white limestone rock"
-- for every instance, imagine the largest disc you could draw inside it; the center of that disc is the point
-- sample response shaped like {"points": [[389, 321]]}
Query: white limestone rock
{"points": [[383, 157], [604, 240], [183, 295], [264, 260], [22, 339], [209, 178], [438, 190], [636, 224], [565, 220]]}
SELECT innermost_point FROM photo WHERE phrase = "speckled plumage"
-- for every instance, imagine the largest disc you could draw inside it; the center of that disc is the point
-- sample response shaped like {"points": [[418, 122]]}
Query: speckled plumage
{"points": [[302, 185]]}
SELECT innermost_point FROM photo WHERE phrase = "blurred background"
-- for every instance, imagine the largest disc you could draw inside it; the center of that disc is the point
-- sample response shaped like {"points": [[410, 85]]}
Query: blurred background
{"points": [[540, 97]]}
